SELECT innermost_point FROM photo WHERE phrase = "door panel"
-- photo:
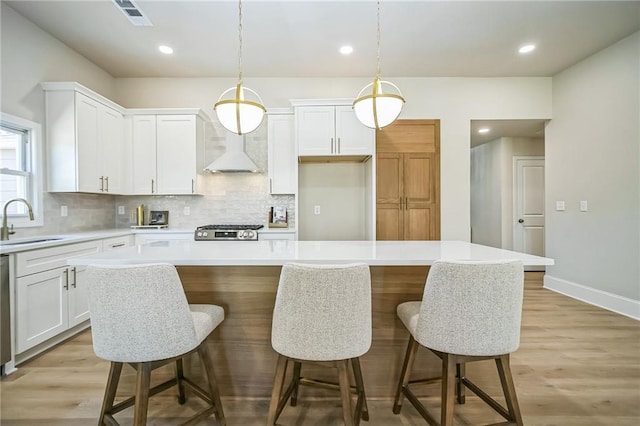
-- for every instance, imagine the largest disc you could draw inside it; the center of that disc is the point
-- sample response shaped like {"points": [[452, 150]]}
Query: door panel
{"points": [[528, 233], [417, 178], [389, 178], [88, 144], [418, 224], [389, 225]]}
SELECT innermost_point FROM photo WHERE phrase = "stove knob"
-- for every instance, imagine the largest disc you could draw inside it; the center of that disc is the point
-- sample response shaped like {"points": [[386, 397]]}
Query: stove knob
{"points": [[251, 234], [245, 234], [198, 234], [204, 234]]}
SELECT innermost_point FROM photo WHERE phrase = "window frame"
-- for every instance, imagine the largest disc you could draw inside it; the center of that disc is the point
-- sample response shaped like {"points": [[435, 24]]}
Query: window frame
{"points": [[35, 160]]}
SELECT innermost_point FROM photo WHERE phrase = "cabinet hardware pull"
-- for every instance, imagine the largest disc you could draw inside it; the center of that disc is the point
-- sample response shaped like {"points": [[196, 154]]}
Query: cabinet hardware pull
{"points": [[66, 279], [338, 150], [270, 185], [117, 245], [106, 179], [101, 183], [152, 185], [73, 284], [193, 189], [332, 145]]}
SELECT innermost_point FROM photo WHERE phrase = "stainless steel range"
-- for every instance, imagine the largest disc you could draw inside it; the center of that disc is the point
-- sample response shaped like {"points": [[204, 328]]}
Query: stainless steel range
{"points": [[227, 232]]}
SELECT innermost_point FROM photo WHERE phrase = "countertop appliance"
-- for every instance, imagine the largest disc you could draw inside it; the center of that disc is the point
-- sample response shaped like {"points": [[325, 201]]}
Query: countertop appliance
{"points": [[227, 232]]}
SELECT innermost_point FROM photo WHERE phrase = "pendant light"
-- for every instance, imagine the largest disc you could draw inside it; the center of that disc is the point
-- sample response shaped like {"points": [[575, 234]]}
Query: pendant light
{"points": [[239, 114], [379, 103]]}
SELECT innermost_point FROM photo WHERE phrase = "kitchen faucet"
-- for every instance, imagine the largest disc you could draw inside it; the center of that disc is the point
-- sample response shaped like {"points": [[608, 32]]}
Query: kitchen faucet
{"points": [[5, 231]]}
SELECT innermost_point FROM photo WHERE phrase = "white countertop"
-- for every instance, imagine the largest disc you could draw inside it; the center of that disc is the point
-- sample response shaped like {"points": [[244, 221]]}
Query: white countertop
{"points": [[53, 240], [262, 253]]}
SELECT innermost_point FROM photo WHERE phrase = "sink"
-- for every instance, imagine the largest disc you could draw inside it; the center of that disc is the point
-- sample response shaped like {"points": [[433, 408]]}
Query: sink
{"points": [[28, 241]]}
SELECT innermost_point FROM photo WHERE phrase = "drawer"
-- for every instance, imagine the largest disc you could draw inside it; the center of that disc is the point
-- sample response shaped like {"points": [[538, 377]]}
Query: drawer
{"points": [[117, 242], [34, 261]]}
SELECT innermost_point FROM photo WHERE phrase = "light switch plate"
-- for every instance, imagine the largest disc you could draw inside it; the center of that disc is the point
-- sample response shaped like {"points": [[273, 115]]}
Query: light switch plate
{"points": [[120, 209], [560, 206], [64, 211], [583, 206], [186, 210], [316, 209]]}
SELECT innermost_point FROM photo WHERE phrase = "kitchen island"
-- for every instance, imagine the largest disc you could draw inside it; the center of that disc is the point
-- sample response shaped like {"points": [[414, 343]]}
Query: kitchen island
{"points": [[242, 277]]}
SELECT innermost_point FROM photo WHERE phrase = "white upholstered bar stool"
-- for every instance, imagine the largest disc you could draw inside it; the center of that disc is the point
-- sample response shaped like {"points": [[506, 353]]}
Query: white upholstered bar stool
{"points": [[470, 311], [140, 316], [322, 315]]}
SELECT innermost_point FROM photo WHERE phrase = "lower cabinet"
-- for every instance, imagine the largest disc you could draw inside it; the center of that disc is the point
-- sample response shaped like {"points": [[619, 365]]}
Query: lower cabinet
{"points": [[48, 303]]}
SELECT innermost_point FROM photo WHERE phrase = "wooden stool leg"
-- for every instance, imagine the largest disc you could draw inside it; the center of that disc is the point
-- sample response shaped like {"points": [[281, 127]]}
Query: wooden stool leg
{"points": [[361, 405], [110, 392], [179, 379], [509, 389], [203, 350], [407, 367], [448, 388], [296, 383], [143, 380], [460, 389], [345, 392], [278, 382]]}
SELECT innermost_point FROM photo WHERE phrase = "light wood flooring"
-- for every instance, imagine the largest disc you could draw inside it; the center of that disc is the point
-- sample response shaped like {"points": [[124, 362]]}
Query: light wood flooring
{"points": [[577, 365]]}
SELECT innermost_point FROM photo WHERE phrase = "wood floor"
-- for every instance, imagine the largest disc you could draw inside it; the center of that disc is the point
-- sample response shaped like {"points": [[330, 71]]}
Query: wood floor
{"points": [[577, 365]]}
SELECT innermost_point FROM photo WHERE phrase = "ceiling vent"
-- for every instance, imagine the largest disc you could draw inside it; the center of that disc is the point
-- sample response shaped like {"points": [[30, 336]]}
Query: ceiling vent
{"points": [[133, 13]]}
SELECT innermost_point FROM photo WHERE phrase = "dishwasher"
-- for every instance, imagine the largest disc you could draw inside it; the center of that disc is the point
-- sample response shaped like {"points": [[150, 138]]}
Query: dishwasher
{"points": [[5, 314]]}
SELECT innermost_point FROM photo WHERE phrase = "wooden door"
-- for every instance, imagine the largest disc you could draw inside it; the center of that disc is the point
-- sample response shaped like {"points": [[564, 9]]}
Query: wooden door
{"points": [[408, 151], [389, 204]]}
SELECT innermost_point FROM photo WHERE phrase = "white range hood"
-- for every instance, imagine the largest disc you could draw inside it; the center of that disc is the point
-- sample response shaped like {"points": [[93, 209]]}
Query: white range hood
{"points": [[234, 159]]}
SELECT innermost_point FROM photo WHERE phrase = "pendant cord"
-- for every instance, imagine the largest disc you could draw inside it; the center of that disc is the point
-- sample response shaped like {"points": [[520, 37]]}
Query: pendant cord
{"points": [[378, 43], [240, 41]]}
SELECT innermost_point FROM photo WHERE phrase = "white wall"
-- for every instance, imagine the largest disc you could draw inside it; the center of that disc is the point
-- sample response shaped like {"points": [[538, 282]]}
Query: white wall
{"points": [[492, 188], [592, 153], [455, 101], [30, 56]]}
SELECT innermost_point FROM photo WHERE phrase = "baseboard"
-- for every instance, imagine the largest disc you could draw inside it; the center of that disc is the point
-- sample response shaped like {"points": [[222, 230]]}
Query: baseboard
{"points": [[612, 302]]}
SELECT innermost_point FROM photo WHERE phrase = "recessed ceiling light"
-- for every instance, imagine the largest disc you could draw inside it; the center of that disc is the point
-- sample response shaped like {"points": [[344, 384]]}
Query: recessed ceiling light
{"points": [[483, 130], [165, 49], [527, 48], [346, 50]]}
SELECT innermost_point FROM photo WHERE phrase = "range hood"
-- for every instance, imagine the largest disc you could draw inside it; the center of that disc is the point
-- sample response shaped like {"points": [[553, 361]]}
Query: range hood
{"points": [[234, 159]]}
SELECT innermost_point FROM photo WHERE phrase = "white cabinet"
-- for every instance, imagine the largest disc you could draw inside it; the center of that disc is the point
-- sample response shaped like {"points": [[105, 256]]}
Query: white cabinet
{"points": [[160, 236], [332, 131], [50, 296], [114, 243], [281, 153], [85, 140], [276, 235], [167, 154]]}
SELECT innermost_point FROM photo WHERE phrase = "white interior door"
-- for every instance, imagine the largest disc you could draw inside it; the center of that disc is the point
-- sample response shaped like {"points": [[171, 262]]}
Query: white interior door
{"points": [[528, 231]]}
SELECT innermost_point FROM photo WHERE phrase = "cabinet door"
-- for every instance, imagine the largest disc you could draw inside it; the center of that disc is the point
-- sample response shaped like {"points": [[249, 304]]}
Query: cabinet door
{"points": [[143, 151], [88, 160], [176, 154], [389, 199], [353, 137], [282, 154], [111, 129], [78, 297], [420, 197], [41, 307], [316, 130]]}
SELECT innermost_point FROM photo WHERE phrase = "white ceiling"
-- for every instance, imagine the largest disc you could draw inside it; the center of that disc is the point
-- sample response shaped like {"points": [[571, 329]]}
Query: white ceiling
{"points": [[301, 39]]}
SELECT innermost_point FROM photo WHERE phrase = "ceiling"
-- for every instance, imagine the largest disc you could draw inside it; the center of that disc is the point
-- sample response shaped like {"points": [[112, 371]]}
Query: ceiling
{"points": [[301, 38]]}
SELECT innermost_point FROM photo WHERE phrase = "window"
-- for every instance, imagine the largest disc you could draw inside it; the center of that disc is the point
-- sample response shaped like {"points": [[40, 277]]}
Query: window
{"points": [[20, 169]]}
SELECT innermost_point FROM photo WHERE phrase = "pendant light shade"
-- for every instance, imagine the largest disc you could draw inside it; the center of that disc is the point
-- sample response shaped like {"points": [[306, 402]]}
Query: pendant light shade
{"points": [[379, 103], [238, 114], [377, 108]]}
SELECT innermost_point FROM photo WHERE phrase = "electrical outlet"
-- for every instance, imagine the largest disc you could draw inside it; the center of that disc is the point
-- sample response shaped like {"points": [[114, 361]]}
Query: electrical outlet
{"points": [[316, 209], [186, 211], [120, 209], [583, 206], [64, 211], [559, 206]]}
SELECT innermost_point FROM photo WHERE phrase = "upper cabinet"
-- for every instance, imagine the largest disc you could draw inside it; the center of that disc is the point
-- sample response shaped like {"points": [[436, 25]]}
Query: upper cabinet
{"points": [[281, 152], [85, 140], [331, 130], [167, 152]]}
